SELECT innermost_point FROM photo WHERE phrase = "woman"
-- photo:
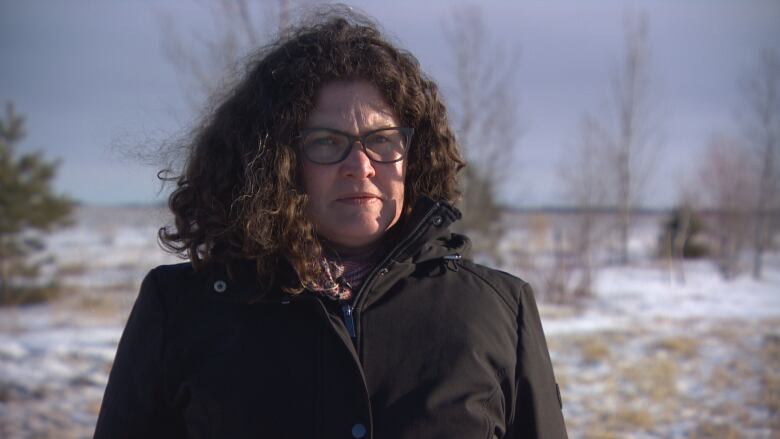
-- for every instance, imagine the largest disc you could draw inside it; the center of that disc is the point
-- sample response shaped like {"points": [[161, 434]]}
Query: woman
{"points": [[325, 296]]}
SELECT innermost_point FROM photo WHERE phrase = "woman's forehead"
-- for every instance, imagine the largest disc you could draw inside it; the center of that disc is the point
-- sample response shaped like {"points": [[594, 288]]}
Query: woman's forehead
{"points": [[350, 103]]}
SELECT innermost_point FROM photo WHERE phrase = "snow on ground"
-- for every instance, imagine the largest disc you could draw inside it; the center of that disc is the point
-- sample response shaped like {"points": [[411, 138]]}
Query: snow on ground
{"points": [[643, 294], [649, 356], [53, 367]]}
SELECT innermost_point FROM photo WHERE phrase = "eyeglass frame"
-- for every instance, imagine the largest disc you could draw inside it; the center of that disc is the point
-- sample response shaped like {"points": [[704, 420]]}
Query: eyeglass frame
{"points": [[406, 131]]}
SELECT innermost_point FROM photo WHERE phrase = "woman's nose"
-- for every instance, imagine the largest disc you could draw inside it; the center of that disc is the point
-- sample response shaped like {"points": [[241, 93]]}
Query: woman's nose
{"points": [[357, 164]]}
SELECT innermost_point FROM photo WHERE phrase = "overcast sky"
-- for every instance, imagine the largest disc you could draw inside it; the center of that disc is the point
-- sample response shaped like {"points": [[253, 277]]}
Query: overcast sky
{"points": [[89, 74]]}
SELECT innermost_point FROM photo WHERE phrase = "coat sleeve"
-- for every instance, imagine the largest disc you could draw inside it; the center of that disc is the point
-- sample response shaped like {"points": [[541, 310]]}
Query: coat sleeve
{"points": [[538, 409], [133, 404]]}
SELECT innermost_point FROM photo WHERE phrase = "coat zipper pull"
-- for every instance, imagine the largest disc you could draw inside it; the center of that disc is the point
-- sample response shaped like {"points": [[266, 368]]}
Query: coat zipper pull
{"points": [[349, 321], [452, 261]]}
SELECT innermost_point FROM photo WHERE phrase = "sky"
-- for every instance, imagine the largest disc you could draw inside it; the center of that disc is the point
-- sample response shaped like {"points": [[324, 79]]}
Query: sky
{"points": [[92, 80]]}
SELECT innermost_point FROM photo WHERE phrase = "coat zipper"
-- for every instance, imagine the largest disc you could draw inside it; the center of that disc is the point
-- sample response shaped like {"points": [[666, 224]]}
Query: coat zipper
{"points": [[324, 315], [349, 321], [348, 310]]}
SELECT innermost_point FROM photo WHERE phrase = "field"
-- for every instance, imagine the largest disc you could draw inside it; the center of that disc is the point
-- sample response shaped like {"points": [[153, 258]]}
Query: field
{"points": [[650, 355]]}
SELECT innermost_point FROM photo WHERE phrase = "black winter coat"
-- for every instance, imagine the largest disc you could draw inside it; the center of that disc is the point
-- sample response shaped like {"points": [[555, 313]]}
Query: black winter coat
{"points": [[435, 346]]}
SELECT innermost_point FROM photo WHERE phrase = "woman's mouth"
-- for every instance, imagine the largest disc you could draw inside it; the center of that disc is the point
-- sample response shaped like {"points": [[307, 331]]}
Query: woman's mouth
{"points": [[359, 199]]}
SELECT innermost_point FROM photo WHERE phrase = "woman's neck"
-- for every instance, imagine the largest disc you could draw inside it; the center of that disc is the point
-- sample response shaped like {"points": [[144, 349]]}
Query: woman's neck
{"points": [[339, 252]]}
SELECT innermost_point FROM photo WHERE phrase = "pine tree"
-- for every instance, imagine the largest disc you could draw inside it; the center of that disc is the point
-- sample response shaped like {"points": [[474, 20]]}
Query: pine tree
{"points": [[28, 209]]}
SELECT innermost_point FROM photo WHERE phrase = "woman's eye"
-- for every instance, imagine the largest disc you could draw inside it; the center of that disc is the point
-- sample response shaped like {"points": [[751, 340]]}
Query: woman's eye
{"points": [[324, 141], [374, 140], [328, 142]]}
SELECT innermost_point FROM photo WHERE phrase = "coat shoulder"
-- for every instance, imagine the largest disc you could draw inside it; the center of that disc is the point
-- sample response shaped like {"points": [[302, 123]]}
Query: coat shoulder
{"points": [[171, 281], [172, 274], [172, 270], [513, 290], [238, 283]]}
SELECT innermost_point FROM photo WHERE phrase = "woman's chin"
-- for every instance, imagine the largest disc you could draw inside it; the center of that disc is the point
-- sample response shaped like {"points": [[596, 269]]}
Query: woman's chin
{"points": [[355, 229]]}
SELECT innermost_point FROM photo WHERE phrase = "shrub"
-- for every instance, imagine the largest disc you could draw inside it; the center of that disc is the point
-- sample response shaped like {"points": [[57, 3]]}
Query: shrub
{"points": [[681, 235]]}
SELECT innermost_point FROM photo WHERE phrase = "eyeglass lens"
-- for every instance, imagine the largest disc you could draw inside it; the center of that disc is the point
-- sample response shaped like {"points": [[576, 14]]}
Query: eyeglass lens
{"points": [[326, 146]]}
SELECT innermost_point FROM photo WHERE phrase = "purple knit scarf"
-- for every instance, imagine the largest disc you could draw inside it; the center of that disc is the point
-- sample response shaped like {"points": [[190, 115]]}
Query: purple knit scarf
{"points": [[339, 278]]}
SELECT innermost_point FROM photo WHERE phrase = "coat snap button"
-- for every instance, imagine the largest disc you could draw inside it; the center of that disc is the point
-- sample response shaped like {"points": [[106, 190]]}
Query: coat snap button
{"points": [[358, 431], [220, 286], [383, 271], [437, 220]]}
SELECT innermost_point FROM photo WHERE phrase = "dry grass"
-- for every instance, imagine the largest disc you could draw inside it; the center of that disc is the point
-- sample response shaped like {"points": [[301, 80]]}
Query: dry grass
{"points": [[72, 269], [110, 303], [713, 430], [679, 346], [631, 419], [693, 380], [595, 350], [722, 379], [770, 378], [597, 433], [100, 305], [31, 295], [653, 379]]}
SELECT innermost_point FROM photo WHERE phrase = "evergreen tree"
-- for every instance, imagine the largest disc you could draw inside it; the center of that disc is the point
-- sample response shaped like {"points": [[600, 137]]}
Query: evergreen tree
{"points": [[682, 232], [28, 209]]}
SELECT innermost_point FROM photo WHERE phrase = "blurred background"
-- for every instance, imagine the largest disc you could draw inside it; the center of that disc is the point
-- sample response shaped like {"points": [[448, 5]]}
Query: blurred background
{"points": [[624, 158]]}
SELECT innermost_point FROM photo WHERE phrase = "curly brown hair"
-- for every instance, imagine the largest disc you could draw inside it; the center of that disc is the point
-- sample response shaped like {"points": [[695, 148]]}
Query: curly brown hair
{"points": [[239, 195]]}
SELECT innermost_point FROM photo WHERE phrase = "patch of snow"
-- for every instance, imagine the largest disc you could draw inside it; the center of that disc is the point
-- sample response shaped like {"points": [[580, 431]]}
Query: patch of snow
{"points": [[625, 296]]}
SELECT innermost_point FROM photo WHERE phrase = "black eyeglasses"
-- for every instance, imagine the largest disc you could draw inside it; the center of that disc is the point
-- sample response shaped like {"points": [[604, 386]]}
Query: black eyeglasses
{"points": [[326, 146]]}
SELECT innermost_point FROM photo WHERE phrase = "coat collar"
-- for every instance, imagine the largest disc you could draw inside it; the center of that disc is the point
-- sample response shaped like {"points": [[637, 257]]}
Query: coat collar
{"points": [[423, 236]]}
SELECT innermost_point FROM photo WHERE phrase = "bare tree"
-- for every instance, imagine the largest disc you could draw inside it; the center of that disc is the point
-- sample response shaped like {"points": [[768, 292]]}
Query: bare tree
{"points": [[761, 123], [727, 183], [581, 174], [631, 128], [205, 59], [608, 166], [485, 113]]}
